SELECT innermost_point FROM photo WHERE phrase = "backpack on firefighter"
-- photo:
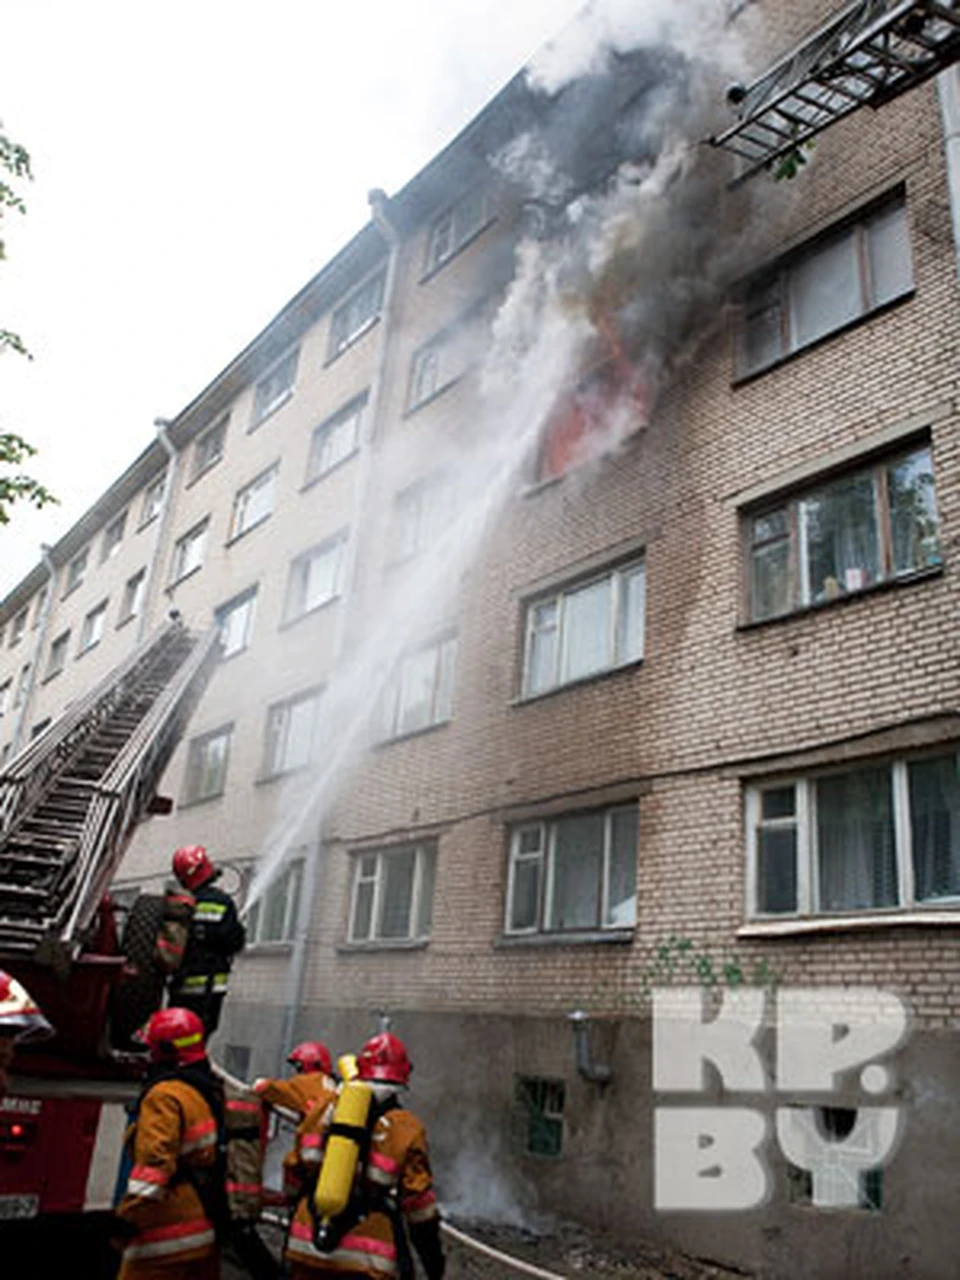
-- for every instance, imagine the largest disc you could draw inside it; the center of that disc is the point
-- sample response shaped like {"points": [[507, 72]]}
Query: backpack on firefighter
{"points": [[174, 932]]}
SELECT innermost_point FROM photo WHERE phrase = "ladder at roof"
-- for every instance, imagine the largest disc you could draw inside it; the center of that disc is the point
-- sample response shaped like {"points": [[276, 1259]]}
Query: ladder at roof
{"points": [[867, 54]]}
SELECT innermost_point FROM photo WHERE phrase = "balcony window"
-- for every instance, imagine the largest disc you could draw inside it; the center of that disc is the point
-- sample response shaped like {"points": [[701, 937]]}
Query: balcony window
{"points": [[392, 894]]}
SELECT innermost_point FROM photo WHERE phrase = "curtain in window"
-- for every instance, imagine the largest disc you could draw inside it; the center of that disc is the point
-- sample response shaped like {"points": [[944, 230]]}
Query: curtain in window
{"points": [[935, 826], [577, 872], [842, 551], [855, 841]]}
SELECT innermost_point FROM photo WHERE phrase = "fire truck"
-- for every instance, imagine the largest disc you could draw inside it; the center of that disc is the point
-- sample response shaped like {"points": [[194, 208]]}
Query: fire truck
{"points": [[69, 805]]}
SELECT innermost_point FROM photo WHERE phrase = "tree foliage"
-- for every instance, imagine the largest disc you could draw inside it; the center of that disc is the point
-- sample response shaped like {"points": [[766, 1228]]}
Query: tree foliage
{"points": [[14, 450]]}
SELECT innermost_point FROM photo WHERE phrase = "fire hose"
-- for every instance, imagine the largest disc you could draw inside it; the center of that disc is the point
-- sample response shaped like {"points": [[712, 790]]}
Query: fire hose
{"points": [[527, 1268]]}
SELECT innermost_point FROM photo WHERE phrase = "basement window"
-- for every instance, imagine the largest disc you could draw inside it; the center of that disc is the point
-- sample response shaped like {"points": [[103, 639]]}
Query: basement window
{"points": [[834, 1179], [822, 288], [875, 524], [574, 874], [538, 1112], [392, 894], [878, 837]]}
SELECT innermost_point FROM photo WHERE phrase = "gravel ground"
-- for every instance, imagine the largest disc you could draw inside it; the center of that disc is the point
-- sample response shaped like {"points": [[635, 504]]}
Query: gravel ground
{"points": [[570, 1252]]}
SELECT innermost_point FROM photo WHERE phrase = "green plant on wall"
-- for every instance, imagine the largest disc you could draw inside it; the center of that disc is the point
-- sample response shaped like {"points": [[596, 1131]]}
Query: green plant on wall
{"points": [[678, 958]]}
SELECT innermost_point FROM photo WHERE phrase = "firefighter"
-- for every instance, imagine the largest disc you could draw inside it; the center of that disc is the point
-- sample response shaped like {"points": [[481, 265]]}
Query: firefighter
{"points": [[313, 1078], [216, 935], [20, 1019], [394, 1176], [175, 1198]]}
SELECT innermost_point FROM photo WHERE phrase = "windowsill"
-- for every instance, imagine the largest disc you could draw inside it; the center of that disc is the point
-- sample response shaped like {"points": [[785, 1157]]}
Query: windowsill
{"points": [[383, 944], [270, 410], [322, 475], [889, 584], [526, 699], [145, 524], [183, 577], [434, 395], [198, 475], [127, 620], [264, 779], [461, 248], [574, 938], [352, 340], [249, 529], [255, 949], [413, 733], [895, 918], [308, 613], [88, 649], [192, 804], [743, 379], [52, 675], [70, 590]]}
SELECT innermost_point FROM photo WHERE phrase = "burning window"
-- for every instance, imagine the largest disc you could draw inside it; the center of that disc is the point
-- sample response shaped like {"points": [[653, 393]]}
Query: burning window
{"points": [[607, 406], [392, 894], [875, 524]]}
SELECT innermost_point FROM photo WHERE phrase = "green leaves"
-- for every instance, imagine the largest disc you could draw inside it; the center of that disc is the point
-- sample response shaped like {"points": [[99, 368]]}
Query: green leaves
{"points": [[14, 451]]}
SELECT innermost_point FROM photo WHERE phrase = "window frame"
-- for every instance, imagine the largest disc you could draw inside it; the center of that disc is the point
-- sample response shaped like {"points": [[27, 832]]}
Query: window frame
{"points": [[876, 467], [264, 407], [617, 575], [265, 479], [545, 855], [90, 632], [335, 545], [152, 502], [352, 329], [223, 611], [276, 736], [197, 533], [458, 238], [806, 850], [776, 279], [132, 602], [421, 510], [426, 859], [113, 537], [76, 572], [290, 881], [203, 457], [196, 764], [56, 661], [351, 412], [445, 651], [18, 626]]}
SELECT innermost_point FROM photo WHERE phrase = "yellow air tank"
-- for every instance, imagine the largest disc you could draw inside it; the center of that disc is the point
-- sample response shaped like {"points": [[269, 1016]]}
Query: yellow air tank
{"points": [[347, 1066], [341, 1152]]}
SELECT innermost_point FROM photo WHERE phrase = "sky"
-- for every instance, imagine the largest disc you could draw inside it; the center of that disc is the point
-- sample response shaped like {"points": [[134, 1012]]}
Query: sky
{"points": [[194, 165]]}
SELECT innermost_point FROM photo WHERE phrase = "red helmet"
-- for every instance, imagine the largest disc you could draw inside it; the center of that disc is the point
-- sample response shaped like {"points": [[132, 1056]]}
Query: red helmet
{"points": [[192, 867], [175, 1037], [311, 1056], [384, 1058]]}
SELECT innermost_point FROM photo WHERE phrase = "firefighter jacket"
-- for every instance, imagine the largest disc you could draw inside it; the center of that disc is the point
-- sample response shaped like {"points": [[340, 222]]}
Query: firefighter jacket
{"points": [[398, 1192], [172, 1142], [216, 935], [296, 1096]]}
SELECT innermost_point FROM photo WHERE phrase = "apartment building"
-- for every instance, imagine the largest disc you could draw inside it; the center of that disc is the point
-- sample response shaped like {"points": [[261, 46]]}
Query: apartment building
{"points": [[532, 730]]}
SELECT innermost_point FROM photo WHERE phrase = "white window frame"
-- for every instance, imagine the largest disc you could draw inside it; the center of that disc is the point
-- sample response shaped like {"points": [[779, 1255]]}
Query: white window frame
{"points": [[288, 886], [246, 601], [254, 503], [23, 681], [545, 854], [448, 234], [616, 577], [420, 513], [91, 633], [134, 591], [276, 746], [59, 652], [40, 605], [152, 500], [190, 546], [18, 627], [443, 652], [346, 326], [113, 537], [805, 824], [76, 571], [336, 439], [275, 388], [208, 447], [197, 765], [298, 578], [424, 877]]}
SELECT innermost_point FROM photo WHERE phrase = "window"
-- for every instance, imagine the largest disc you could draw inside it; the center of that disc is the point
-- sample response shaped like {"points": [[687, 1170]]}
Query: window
{"points": [[208, 449], [152, 500], [273, 918], [40, 605], [440, 362], [354, 316], [574, 873], [335, 440], [455, 226], [314, 578], [18, 627], [392, 898], [292, 733], [207, 758], [876, 837], [235, 621], [133, 593], [58, 655], [539, 1114], [421, 693], [581, 630], [76, 570], [5, 696], [841, 277], [23, 683], [254, 503], [421, 512], [112, 537], [608, 404], [92, 630], [276, 388], [872, 525], [188, 552]]}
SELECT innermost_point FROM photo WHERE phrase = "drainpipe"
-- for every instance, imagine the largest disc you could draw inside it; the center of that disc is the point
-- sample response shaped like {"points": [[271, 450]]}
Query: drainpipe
{"points": [[298, 960], [948, 89], [595, 1072], [37, 650], [163, 521]]}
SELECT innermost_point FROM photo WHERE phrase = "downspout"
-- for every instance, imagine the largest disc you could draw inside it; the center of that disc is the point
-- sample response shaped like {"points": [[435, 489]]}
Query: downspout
{"points": [[368, 434], [163, 521], [596, 1072], [37, 650], [948, 89]]}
